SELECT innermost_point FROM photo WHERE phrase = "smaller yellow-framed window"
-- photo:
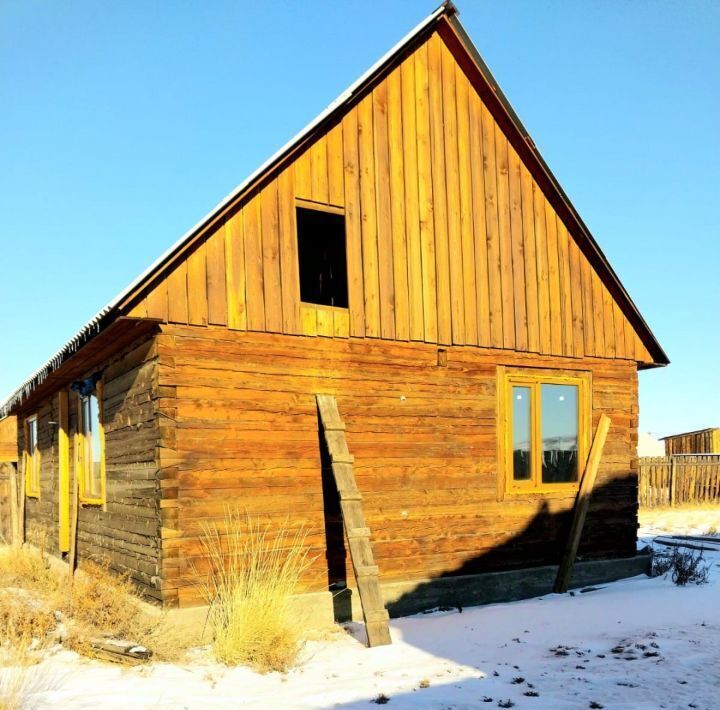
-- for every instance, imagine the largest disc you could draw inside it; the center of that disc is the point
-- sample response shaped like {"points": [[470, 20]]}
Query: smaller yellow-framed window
{"points": [[91, 448], [32, 458], [544, 429]]}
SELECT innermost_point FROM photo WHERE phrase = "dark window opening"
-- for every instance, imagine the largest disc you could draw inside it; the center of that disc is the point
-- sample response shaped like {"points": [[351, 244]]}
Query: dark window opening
{"points": [[321, 256]]}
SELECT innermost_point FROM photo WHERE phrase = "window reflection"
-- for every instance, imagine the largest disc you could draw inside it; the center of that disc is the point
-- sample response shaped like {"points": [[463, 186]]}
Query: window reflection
{"points": [[559, 424], [521, 433]]}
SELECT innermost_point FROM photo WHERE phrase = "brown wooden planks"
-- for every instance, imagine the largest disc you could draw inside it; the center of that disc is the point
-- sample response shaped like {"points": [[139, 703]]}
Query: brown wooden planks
{"points": [[216, 278], [397, 206], [371, 276], [254, 282], [272, 295], [439, 191], [425, 194], [353, 225], [235, 265]]}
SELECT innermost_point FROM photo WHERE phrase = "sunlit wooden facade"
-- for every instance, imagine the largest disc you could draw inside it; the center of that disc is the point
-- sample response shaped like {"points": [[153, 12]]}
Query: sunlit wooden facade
{"points": [[465, 261]]}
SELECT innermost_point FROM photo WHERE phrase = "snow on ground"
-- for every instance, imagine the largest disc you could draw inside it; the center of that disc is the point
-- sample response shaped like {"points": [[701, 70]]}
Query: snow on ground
{"points": [[638, 643]]}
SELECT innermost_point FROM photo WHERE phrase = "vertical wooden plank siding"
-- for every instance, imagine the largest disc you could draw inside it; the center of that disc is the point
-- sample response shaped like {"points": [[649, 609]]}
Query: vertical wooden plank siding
{"points": [[479, 220], [531, 265], [452, 186], [493, 229], [254, 284], [235, 265], [425, 194], [353, 225], [383, 212], [588, 310], [598, 314], [319, 171], [467, 225], [506, 272], [289, 274], [449, 238], [271, 258], [577, 299], [371, 278], [543, 271], [412, 201], [565, 287], [397, 206], [437, 164], [157, 301], [551, 242], [335, 171], [520, 288], [216, 271], [178, 294], [197, 287]]}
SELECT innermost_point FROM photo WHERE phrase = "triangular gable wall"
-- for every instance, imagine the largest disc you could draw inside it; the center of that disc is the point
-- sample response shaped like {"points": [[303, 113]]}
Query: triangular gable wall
{"points": [[450, 239]]}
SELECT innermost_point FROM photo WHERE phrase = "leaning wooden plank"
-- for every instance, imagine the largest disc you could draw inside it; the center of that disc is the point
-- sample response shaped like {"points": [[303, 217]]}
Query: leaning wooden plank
{"points": [[581, 505], [358, 534]]}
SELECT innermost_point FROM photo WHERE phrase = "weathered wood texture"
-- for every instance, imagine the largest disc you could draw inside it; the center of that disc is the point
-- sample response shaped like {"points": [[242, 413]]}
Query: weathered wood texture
{"points": [[241, 428], [704, 441], [8, 440], [678, 479], [125, 531], [450, 239], [357, 533]]}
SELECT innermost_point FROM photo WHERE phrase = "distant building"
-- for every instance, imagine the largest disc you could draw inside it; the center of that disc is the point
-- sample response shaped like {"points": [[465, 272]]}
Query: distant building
{"points": [[648, 445], [702, 441]]}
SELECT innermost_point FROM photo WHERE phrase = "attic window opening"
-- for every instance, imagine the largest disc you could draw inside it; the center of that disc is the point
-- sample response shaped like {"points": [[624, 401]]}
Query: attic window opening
{"points": [[322, 257]]}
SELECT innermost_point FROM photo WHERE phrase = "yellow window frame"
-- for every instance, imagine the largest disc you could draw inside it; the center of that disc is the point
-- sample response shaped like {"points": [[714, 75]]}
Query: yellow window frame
{"points": [[84, 471], [31, 459], [534, 379]]}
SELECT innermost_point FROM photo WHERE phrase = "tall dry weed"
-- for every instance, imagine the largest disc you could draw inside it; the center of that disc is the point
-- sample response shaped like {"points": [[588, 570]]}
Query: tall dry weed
{"points": [[254, 573]]}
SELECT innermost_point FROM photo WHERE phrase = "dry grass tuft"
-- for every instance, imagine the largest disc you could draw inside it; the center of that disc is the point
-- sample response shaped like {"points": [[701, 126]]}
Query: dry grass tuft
{"points": [[26, 626], [28, 568], [253, 577], [102, 603], [95, 602]]}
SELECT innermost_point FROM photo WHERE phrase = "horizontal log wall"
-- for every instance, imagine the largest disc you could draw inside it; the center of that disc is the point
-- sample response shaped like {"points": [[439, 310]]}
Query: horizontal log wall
{"points": [[450, 239], [240, 428], [125, 532]]}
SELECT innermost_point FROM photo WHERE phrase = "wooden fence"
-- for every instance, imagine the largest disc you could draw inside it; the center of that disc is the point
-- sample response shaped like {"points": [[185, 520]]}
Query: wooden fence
{"points": [[678, 479]]}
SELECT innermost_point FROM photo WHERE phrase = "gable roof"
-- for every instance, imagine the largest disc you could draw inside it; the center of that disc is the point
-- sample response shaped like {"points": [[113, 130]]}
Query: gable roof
{"points": [[444, 20]]}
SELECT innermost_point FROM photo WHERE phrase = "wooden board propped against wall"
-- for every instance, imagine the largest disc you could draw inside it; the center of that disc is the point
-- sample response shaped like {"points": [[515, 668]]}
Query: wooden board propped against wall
{"points": [[358, 535]]}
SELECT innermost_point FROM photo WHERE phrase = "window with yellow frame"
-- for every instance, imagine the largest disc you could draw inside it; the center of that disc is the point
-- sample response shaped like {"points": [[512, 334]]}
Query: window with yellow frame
{"points": [[91, 448], [544, 429], [32, 458]]}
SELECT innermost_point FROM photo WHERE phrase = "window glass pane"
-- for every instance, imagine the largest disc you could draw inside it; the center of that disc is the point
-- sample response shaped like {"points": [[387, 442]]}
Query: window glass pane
{"points": [[521, 433], [91, 429], [559, 405], [32, 436], [95, 428]]}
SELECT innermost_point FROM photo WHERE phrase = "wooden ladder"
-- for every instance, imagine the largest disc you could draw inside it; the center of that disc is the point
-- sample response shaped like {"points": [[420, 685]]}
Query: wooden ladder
{"points": [[358, 535]]}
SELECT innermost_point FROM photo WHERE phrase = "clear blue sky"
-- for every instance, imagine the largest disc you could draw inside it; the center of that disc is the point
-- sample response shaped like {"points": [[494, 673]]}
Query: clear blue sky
{"points": [[123, 123]]}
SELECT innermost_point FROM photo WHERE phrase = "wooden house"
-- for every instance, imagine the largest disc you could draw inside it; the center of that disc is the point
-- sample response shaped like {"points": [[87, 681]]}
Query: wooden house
{"points": [[410, 254], [702, 441]]}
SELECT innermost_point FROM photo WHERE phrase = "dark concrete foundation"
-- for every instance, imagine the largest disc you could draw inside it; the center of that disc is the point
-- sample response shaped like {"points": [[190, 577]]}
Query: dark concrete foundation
{"points": [[405, 598]]}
